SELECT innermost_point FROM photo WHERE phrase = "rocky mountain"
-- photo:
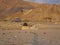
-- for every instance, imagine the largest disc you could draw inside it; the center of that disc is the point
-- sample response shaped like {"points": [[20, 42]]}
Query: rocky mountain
{"points": [[44, 12], [8, 7], [11, 9]]}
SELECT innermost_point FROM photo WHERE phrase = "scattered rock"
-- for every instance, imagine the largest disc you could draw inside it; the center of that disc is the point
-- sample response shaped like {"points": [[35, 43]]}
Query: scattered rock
{"points": [[44, 33], [3, 33], [18, 32], [15, 36], [25, 32]]}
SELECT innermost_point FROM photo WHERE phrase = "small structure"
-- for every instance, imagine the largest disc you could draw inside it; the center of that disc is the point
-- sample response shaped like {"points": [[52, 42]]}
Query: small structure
{"points": [[25, 24], [25, 27]]}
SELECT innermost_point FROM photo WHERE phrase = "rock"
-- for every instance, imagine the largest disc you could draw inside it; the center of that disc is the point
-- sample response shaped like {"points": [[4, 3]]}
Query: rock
{"points": [[25, 28]]}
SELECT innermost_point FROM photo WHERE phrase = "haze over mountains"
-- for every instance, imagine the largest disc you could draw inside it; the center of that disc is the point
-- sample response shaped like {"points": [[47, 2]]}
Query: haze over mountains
{"points": [[11, 9]]}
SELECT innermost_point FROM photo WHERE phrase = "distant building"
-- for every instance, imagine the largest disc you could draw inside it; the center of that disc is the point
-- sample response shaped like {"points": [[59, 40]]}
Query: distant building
{"points": [[25, 24], [25, 27]]}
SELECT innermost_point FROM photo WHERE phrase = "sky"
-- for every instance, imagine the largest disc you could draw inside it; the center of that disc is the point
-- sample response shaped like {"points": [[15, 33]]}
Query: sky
{"points": [[46, 1]]}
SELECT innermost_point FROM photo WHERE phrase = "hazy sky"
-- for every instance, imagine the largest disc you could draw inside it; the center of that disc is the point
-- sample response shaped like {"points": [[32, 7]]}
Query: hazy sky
{"points": [[47, 1]]}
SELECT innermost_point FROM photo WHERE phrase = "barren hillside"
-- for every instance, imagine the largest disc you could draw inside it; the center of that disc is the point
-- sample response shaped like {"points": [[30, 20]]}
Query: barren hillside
{"points": [[11, 9], [8, 7], [44, 12]]}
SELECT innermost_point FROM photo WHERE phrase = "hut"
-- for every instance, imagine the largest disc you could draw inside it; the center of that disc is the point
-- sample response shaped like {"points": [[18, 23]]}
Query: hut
{"points": [[25, 24], [25, 27]]}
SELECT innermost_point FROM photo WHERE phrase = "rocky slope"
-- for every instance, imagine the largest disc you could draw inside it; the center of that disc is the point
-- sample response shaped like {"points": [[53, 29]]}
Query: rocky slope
{"points": [[11, 9], [8, 7], [44, 12]]}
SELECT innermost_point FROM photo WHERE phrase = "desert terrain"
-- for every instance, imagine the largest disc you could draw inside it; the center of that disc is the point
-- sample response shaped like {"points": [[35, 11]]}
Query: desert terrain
{"points": [[42, 28], [11, 33]]}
